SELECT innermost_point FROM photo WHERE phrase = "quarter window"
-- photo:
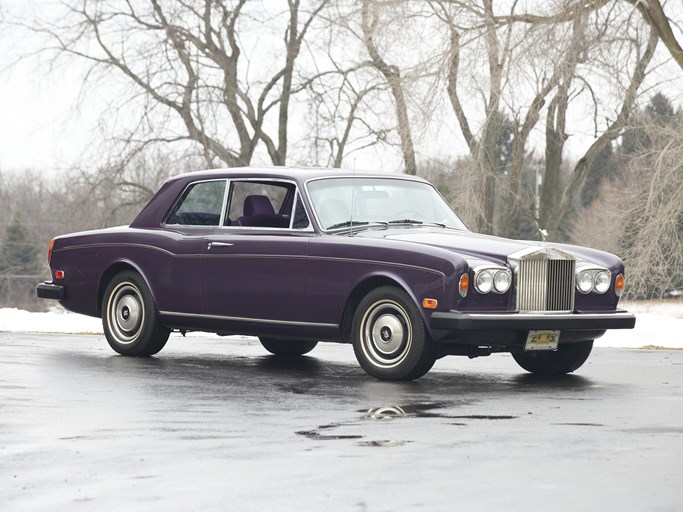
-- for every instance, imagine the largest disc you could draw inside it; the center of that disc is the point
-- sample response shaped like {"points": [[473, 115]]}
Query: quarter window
{"points": [[200, 205], [300, 218]]}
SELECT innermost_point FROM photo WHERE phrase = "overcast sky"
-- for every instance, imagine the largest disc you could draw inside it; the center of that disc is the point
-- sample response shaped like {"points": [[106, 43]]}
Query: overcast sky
{"points": [[45, 123], [39, 122]]}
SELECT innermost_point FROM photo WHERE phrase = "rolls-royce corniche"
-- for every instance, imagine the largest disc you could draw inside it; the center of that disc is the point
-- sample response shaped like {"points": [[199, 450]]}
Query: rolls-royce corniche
{"points": [[299, 256]]}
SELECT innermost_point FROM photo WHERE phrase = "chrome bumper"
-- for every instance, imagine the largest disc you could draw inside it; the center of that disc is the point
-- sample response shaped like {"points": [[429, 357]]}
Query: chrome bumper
{"points": [[456, 321]]}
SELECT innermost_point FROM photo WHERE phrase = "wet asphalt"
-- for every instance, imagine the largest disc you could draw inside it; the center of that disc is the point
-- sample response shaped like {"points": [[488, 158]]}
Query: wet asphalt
{"points": [[216, 424]]}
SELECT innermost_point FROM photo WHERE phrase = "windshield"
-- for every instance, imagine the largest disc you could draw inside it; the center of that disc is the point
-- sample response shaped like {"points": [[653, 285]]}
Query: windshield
{"points": [[350, 202]]}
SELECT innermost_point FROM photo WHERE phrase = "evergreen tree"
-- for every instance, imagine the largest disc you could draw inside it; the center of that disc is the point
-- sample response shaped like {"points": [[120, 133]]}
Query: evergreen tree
{"points": [[18, 255], [501, 137], [659, 112], [604, 167]]}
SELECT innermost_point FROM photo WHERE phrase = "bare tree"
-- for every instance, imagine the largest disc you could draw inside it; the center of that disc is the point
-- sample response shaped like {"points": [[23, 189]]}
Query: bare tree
{"points": [[189, 67], [559, 56], [651, 234], [342, 121], [654, 15], [392, 74]]}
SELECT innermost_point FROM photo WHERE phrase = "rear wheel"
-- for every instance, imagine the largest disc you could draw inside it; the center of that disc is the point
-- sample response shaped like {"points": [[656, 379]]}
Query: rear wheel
{"points": [[565, 359], [284, 347], [130, 318], [390, 339]]}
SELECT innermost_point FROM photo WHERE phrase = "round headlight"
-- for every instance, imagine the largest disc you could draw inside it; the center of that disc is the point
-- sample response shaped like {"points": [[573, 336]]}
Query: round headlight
{"points": [[501, 281], [602, 281], [584, 281], [484, 281]]}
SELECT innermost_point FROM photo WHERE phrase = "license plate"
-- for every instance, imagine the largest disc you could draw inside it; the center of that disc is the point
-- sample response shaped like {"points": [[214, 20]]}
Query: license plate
{"points": [[542, 340]]}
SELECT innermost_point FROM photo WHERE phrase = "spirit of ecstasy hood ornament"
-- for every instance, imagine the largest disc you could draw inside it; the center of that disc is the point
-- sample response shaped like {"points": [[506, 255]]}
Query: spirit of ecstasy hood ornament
{"points": [[544, 234]]}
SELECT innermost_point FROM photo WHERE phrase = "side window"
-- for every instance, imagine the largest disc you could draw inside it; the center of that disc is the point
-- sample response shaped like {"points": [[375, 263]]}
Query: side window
{"points": [[243, 204], [263, 204], [200, 205]]}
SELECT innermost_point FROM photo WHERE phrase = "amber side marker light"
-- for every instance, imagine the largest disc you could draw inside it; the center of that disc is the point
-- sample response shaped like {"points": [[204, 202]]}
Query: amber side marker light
{"points": [[619, 284], [430, 303], [49, 251], [464, 284]]}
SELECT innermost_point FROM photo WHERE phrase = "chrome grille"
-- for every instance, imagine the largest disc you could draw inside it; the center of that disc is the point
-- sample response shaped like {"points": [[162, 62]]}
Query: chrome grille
{"points": [[545, 285]]}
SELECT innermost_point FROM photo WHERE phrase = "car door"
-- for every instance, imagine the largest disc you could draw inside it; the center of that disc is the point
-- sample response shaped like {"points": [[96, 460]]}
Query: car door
{"points": [[254, 269], [195, 215]]}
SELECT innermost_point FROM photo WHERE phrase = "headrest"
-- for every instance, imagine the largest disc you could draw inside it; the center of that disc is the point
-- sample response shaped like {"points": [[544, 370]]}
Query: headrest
{"points": [[257, 205]]}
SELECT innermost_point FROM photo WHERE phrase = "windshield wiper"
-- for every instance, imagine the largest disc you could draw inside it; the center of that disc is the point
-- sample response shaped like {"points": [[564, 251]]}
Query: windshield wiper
{"points": [[349, 224], [418, 222], [405, 221]]}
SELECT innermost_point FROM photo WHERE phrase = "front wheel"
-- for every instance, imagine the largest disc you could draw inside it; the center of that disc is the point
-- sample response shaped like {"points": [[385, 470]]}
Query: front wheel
{"points": [[565, 359], [284, 347], [389, 336], [130, 318]]}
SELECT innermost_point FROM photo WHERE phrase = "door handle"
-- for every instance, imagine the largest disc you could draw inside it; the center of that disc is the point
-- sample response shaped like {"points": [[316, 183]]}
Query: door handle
{"points": [[219, 244]]}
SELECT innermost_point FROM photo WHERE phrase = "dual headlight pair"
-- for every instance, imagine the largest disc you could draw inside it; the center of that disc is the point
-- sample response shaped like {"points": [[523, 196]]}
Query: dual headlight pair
{"points": [[593, 280], [496, 280]]}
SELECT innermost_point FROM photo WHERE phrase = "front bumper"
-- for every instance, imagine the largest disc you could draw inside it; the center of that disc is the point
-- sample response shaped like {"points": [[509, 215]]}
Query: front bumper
{"points": [[456, 321], [49, 290]]}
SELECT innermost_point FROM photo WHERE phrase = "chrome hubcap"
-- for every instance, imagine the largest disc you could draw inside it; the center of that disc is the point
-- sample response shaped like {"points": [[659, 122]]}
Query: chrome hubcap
{"points": [[126, 313], [386, 333]]}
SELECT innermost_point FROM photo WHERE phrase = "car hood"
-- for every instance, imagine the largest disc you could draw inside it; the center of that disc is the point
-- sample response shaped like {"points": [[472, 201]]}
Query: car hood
{"points": [[475, 246]]}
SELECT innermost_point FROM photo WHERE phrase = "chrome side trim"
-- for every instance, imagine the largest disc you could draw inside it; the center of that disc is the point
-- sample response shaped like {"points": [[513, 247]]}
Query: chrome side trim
{"points": [[242, 319], [211, 245]]}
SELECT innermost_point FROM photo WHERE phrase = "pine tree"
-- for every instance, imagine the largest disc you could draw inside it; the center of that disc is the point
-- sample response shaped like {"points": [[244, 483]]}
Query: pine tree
{"points": [[604, 167], [18, 255]]}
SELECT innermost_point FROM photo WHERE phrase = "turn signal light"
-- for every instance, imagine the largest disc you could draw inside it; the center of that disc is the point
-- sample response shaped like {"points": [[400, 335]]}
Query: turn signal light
{"points": [[464, 284], [619, 284], [430, 303]]}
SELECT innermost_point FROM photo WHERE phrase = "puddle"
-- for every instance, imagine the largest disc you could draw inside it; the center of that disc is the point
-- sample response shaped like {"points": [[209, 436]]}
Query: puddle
{"points": [[484, 417], [383, 444], [391, 412], [425, 410], [317, 436], [418, 410], [580, 424]]}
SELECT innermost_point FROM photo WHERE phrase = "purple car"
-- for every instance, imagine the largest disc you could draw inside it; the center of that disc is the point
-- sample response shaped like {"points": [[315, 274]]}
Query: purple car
{"points": [[298, 256]]}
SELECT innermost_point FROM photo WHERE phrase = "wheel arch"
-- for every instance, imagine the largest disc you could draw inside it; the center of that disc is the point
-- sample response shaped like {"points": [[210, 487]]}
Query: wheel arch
{"points": [[112, 270], [361, 290]]}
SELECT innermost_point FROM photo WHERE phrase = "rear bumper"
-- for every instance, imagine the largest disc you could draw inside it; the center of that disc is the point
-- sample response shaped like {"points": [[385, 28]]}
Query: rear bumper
{"points": [[456, 321], [49, 290]]}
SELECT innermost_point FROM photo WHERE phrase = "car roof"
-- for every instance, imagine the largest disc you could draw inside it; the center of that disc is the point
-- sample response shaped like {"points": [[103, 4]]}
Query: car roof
{"points": [[301, 174]]}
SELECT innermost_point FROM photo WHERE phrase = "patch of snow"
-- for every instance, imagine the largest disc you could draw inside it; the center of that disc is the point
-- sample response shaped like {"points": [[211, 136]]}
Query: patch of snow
{"points": [[658, 324], [57, 320]]}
